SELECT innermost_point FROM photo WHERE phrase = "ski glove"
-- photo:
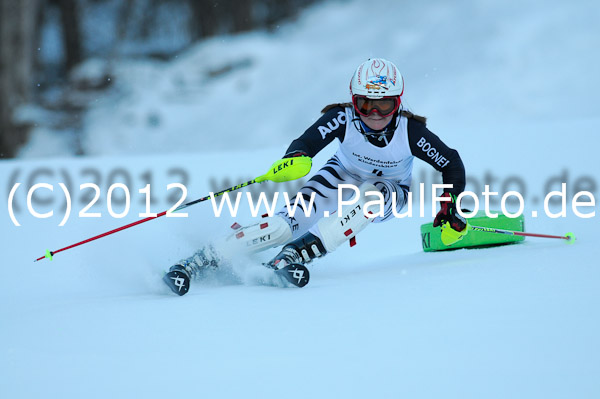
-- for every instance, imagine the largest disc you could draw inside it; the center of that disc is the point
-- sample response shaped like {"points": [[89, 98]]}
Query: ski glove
{"points": [[297, 153], [454, 226]]}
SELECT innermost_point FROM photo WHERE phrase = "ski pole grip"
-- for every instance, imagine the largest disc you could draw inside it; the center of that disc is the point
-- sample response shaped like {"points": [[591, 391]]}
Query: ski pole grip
{"points": [[287, 169]]}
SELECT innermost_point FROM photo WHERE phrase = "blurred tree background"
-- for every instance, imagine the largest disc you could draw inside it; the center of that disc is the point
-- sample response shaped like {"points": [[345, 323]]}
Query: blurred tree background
{"points": [[42, 42]]}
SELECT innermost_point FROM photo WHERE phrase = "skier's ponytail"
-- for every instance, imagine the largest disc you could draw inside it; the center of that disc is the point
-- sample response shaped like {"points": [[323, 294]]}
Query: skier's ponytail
{"points": [[334, 105], [416, 117]]}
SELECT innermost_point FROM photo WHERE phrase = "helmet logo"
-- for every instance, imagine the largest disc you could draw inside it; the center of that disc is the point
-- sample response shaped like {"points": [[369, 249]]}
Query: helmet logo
{"points": [[379, 82]]}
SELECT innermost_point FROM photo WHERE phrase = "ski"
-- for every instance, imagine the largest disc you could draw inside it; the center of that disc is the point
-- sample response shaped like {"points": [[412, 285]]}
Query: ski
{"points": [[178, 280], [295, 274], [179, 276]]}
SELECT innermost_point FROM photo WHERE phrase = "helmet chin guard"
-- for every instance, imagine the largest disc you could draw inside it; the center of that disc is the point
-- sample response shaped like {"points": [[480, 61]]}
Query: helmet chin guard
{"points": [[377, 78]]}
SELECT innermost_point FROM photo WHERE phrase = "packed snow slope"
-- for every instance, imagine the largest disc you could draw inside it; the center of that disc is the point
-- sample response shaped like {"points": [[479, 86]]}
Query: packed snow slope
{"points": [[513, 91]]}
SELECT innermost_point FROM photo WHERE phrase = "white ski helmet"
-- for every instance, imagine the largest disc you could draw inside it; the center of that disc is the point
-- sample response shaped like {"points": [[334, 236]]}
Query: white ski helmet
{"points": [[377, 78]]}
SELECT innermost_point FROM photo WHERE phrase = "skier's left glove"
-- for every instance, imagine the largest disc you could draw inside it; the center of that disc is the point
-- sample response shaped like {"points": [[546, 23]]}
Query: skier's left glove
{"points": [[297, 153], [454, 226]]}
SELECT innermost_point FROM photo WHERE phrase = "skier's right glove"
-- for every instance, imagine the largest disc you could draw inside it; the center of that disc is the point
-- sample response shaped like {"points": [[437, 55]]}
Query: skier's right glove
{"points": [[287, 169], [454, 226]]}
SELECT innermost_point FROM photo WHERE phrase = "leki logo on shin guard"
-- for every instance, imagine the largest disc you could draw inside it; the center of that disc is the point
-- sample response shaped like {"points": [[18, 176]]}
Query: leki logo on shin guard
{"points": [[350, 215], [259, 240]]}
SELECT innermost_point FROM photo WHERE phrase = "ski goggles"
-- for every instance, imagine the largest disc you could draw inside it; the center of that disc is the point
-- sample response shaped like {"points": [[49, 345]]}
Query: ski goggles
{"points": [[383, 106]]}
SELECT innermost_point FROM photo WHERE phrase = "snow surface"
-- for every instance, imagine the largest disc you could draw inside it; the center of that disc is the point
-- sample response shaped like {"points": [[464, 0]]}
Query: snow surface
{"points": [[382, 319]]}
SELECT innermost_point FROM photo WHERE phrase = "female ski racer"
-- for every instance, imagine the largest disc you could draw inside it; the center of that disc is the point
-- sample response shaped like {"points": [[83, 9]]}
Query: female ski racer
{"points": [[378, 141]]}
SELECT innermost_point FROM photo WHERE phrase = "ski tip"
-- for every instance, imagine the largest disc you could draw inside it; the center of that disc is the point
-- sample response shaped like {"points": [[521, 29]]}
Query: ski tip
{"points": [[570, 237], [178, 281], [295, 273]]}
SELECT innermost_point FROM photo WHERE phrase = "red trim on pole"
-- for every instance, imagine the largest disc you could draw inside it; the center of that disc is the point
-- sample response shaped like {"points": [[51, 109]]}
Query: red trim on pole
{"points": [[150, 218], [519, 233], [105, 234], [516, 233]]}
